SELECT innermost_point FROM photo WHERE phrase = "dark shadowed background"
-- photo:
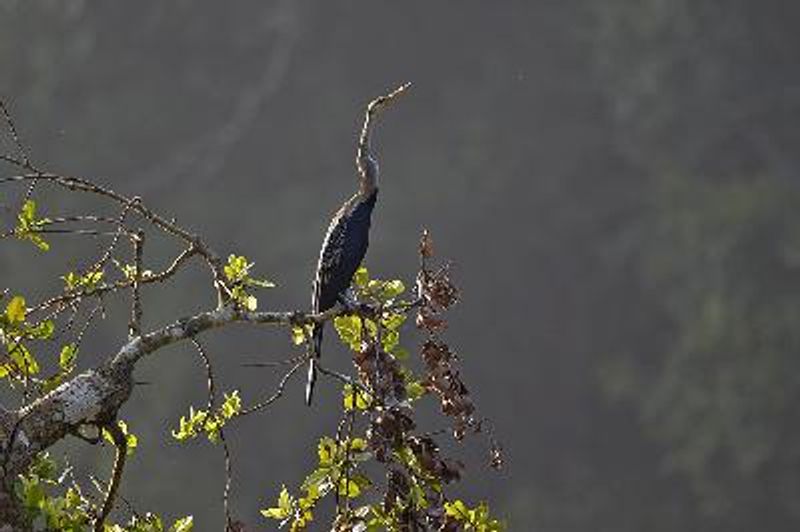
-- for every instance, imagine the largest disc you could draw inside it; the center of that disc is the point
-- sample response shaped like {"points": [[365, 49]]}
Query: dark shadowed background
{"points": [[616, 183]]}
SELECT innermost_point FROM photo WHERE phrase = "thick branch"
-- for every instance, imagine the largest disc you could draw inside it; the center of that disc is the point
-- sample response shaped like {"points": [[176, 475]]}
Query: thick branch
{"points": [[96, 395]]}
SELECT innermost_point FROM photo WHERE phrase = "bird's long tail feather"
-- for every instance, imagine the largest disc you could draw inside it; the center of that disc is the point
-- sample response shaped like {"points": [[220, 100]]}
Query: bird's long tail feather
{"points": [[316, 351]]}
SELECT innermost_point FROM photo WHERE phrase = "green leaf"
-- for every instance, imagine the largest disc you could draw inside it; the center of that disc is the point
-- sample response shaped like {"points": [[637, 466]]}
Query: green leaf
{"points": [[24, 360], [372, 328], [358, 445], [237, 268], [393, 321], [359, 399], [237, 271], [28, 226], [298, 335], [477, 518], [349, 329], [67, 357], [131, 440], [354, 486], [392, 289], [415, 390], [326, 450], [210, 423], [41, 331], [457, 510], [418, 494], [361, 277], [184, 524], [317, 481], [232, 405], [43, 466], [284, 508], [390, 340], [191, 425], [86, 283], [16, 310]]}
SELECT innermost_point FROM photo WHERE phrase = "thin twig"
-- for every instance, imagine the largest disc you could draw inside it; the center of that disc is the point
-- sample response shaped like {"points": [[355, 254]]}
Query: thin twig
{"points": [[135, 326], [118, 285], [299, 358], [221, 432], [12, 128], [100, 264], [279, 392], [169, 226], [121, 445]]}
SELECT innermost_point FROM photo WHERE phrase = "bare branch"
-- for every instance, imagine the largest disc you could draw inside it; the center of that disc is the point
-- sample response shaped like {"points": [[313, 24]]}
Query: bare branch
{"points": [[279, 392], [121, 445], [135, 327]]}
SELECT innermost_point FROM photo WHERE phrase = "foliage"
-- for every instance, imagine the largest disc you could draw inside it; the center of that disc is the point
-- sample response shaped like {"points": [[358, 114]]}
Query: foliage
{"points": [[237, 272], [381, 404], [29, 226], [52, 500], [16, 335], [208, 422], [131, 441], [87, 282], [378, 406]]}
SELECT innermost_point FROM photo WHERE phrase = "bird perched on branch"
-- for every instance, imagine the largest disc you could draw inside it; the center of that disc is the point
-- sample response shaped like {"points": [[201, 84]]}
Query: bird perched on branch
{"points": [[347, 239]]}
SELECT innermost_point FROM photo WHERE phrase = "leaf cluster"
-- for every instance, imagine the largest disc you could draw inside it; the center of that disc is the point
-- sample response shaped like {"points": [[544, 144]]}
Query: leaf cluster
{"points": [[52, 501], [207, 421], [378, 424], [29, 227], [237, 273]]}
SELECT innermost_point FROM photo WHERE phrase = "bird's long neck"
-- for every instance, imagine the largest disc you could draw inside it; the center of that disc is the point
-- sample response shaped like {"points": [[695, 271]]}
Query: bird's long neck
{"points": [[368, 172]]}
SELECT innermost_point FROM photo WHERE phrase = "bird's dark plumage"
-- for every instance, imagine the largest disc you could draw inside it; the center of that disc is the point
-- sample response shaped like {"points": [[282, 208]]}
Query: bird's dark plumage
{"points": [[347, 238], [342, 252]]}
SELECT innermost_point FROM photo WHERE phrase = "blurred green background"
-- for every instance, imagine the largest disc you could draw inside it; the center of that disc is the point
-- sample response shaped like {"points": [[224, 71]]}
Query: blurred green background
{"points": [[616, 183]]}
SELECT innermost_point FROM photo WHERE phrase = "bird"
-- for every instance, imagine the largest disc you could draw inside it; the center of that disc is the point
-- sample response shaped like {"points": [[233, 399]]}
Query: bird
{"points": [[347, 238]]}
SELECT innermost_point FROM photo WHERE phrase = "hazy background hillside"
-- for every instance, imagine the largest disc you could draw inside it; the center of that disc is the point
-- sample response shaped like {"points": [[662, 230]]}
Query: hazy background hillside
{"points": [[616, 183]]}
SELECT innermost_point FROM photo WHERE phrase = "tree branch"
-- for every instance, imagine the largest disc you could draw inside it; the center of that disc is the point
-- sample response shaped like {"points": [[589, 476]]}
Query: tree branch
{"points": [[121, 446], [98, 393]]}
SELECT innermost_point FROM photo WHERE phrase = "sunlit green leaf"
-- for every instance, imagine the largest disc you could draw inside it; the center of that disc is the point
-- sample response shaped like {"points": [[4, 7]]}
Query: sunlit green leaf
{"points": [[23, 359], [16, 310], [41, 331], [361, 277], [28, 226], [284, 508], [67, 357], [353, 486], [185, 524], [326, 450], [349, 329], [232, 405], [392, 289], [131, 440], [415, 390], [355, 399], [393, 321], [298, 335]]}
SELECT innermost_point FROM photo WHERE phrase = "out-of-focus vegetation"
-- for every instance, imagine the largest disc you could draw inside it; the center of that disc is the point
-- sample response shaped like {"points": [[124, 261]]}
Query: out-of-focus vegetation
{"points": [[618, 181]]}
